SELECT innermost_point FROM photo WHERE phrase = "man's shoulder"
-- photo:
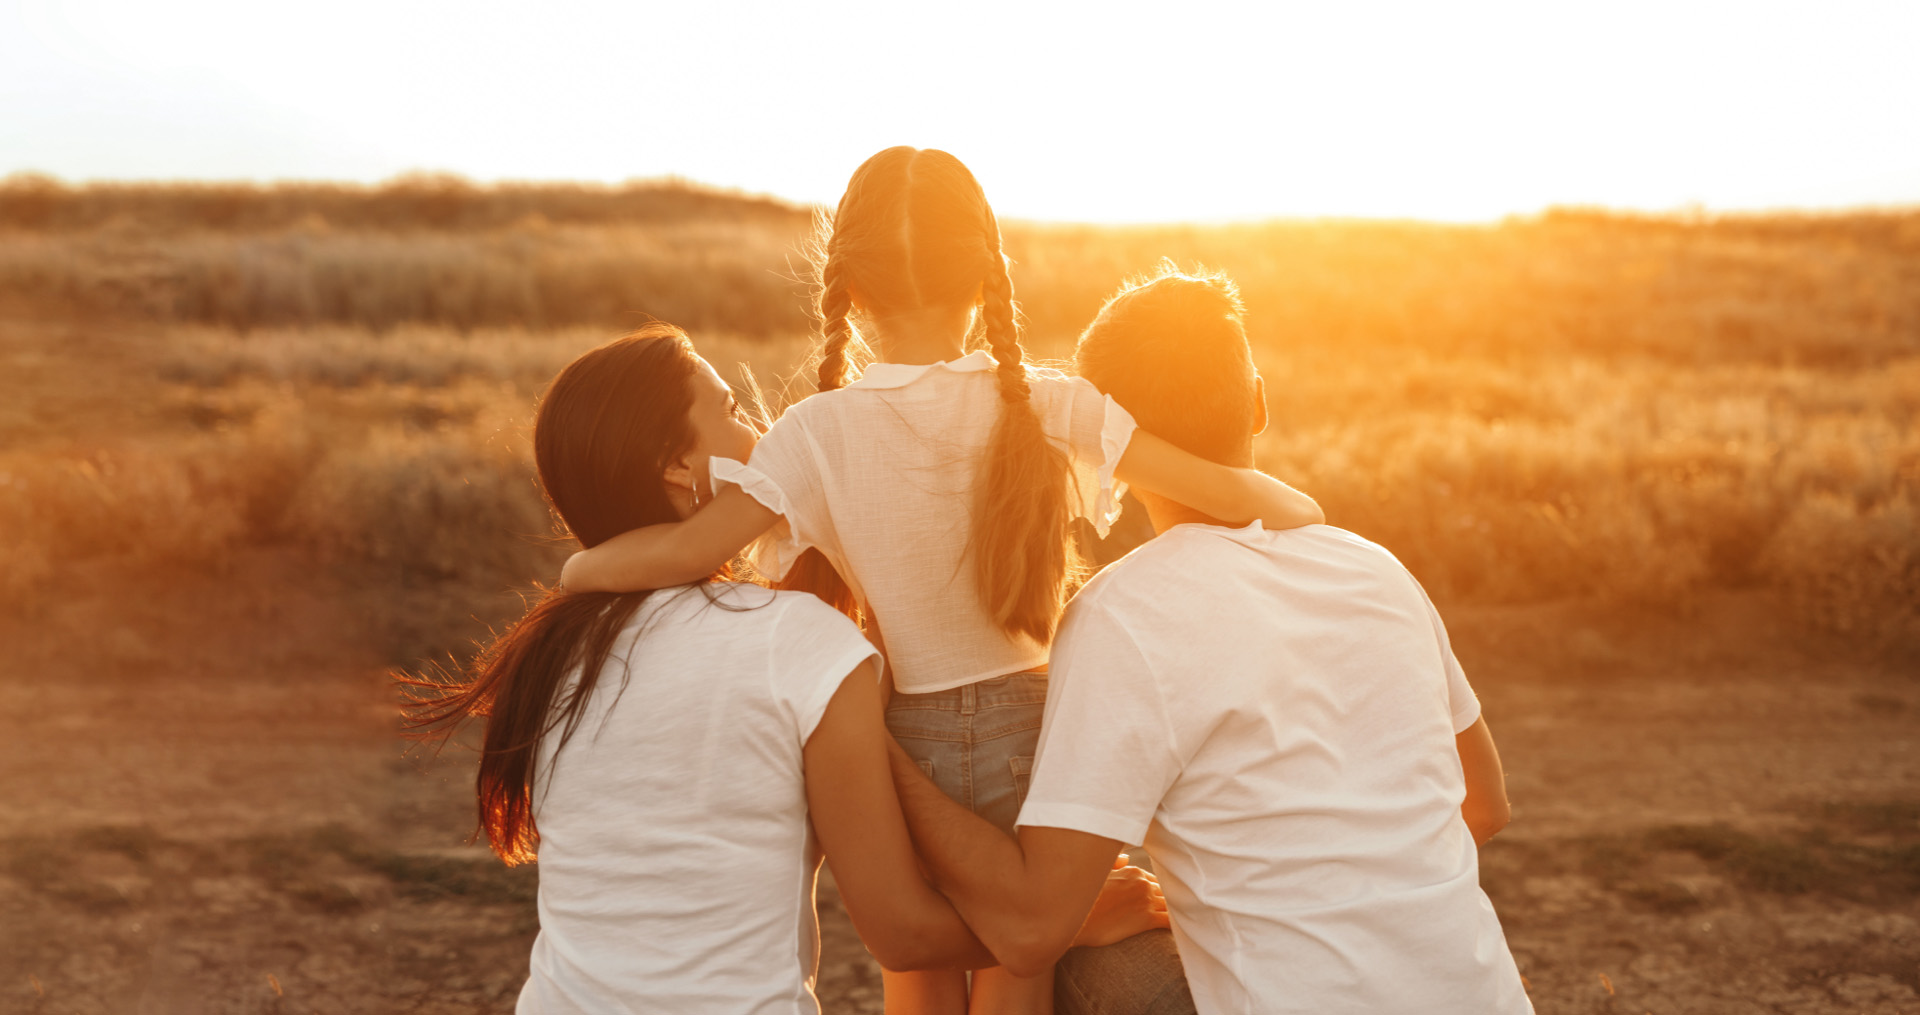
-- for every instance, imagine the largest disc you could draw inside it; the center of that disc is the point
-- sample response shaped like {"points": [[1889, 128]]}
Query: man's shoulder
{"points": [[1334, 538], [1175, 566], [1189, 559]]}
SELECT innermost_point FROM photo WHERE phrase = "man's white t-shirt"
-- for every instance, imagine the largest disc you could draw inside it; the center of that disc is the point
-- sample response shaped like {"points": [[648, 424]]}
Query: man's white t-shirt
{"points": [[1273, 714], [879, 476], [676, 862]]}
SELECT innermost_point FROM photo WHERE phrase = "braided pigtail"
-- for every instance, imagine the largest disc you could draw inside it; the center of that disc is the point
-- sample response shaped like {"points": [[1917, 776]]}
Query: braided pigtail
{"points": [[812, 572], [1021, 550], [835, 305]]}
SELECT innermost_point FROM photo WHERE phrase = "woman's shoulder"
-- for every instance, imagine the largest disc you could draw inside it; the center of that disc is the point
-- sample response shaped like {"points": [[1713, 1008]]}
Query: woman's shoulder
{"points": [[795, 632], [736, 614], [774, 605]]}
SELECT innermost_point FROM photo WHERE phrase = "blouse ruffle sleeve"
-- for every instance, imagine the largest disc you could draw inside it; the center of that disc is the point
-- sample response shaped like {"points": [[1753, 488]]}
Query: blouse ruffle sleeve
{"points": [[1095, 429], [1116, 432], [775, 551]]}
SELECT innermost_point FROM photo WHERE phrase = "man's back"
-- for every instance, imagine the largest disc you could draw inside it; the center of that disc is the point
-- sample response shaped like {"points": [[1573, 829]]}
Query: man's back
{"points": [[1281, 706]]}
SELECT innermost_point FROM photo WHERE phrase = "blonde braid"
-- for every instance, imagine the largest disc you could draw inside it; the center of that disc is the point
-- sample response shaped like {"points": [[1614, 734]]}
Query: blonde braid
{"points": [[1021, 557], [835, 304], [1002, 338]]}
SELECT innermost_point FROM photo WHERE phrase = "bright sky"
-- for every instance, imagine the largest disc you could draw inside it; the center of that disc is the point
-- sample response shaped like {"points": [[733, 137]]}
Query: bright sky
{"points": [[1094, 111]]}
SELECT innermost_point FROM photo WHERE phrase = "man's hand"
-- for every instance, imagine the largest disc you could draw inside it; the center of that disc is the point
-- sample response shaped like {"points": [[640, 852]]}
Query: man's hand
{"points": [[1129, 903]]}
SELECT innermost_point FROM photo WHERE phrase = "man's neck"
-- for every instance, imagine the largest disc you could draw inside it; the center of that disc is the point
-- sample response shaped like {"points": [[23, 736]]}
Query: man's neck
{"points": [[1165, 514]]}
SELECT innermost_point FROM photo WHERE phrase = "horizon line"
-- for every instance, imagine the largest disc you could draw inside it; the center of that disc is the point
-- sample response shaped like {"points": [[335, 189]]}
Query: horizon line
{"points": [[1691, 211]]}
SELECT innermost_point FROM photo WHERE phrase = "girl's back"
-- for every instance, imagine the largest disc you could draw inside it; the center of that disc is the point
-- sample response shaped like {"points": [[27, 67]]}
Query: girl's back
{"points": [[879, 477], [676, 862]]}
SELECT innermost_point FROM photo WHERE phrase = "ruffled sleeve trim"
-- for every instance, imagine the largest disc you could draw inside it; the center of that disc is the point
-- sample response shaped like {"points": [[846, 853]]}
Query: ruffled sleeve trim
{"points": [[773, 553], [1116, 432]]}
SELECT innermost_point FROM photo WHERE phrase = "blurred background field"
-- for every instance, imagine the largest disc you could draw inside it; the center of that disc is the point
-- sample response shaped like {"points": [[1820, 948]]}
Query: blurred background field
{"points": [[258, 445], [1575, 405]]}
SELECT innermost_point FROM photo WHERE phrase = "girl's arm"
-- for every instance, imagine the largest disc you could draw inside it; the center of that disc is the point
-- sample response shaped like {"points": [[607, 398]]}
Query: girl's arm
{"points": [[1221, 491], [673, 553]]}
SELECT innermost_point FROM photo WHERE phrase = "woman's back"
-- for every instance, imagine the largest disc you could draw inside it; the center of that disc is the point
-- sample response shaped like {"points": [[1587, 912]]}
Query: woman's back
{"points": [[676, 862]]}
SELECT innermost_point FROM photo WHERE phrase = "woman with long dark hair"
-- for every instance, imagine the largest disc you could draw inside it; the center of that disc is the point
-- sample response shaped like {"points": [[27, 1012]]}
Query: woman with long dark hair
{"points": [[668, 756]]}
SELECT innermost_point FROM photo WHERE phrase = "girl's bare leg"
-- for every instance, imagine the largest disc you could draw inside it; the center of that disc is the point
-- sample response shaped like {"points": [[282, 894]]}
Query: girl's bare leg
{"points": [[927, 992], [998, 992]]}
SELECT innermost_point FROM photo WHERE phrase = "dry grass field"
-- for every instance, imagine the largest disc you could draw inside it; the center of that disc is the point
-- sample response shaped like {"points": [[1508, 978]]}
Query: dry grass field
{"points": [[259, 446]]}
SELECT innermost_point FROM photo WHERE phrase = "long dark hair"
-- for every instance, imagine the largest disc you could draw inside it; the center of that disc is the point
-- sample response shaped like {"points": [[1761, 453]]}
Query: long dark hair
{"points": [[607, 429]]}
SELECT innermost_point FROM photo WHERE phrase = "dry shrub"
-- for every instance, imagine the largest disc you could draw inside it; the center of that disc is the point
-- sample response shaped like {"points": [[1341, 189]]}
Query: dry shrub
{"points": [[413, 361], [715, 275], [425, 505], [354, 356], [1627, 480], [453, 499], [1849, 567]]}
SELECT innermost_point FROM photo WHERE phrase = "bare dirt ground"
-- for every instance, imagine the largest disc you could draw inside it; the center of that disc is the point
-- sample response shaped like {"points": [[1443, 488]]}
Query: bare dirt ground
{"points": [[208, 810]]}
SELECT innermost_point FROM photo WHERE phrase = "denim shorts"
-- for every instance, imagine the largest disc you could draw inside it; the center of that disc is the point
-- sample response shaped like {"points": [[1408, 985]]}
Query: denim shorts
{"points": [[976, 742]]}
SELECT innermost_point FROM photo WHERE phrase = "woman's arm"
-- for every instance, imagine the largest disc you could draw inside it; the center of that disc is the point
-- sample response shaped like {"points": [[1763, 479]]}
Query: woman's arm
{"points": [[1032, 898], [1220, 491], [675, 553], [902, 920]]}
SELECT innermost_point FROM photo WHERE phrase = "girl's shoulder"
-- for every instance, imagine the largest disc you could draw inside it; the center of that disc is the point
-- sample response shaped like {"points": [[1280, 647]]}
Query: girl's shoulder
{"points": [[813, 409], [1051, 384]]}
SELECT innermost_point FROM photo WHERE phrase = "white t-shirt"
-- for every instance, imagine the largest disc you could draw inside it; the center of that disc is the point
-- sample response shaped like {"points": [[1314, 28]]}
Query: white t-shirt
{"points": [[676, 862], [879, 476], [1273, 714]]}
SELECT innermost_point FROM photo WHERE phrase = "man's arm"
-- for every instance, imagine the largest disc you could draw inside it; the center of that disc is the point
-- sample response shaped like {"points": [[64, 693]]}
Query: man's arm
{"points": [[902, 920], [1485, 808], [1027, 899]]}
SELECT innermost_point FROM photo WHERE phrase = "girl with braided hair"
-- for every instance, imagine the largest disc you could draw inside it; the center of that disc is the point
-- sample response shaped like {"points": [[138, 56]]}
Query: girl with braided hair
{"points": [[941, 485]]}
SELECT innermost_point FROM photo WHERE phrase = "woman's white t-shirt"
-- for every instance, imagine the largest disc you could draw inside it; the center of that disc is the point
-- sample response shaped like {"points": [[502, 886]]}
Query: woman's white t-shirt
{"points": [[879, 476], [676, 860]]}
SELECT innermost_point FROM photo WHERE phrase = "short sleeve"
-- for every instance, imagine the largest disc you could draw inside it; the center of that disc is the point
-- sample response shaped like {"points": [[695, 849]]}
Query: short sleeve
{"points": [[1095, 430], [1107, 754], [1461, 701], [812, 648], [784, 477]]}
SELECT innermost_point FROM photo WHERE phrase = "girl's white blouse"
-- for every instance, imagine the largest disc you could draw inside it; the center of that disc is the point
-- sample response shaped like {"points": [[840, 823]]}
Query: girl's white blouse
{"points": [[879, 476]]}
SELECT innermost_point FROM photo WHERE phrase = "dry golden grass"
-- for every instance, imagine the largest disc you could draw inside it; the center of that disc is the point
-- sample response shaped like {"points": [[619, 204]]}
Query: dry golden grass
{"points": [[1578, 405]]}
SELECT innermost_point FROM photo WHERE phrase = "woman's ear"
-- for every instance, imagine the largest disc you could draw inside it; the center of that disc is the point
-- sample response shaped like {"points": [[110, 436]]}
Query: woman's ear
{"points": [[680, 475], [1259, 405]]}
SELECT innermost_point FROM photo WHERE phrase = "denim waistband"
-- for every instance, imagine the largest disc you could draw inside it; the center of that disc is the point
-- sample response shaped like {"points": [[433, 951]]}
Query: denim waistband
{"points": [[1028, 688]]}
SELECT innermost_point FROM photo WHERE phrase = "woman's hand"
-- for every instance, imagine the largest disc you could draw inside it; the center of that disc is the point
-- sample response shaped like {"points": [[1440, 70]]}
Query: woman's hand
{"points": [[1129, 903]]}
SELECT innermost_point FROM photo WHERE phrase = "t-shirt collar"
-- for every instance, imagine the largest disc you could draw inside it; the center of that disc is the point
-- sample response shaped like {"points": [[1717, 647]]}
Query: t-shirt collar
{"points": [[899, 375], [1240, 533]]}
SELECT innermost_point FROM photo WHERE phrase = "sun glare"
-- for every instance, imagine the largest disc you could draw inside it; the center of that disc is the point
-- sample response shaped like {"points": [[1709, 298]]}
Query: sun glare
{"points": [[1219, 111]]}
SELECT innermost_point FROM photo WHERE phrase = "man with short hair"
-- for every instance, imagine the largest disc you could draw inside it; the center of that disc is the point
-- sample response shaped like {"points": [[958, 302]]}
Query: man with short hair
{"points": [[1278, 716]]}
